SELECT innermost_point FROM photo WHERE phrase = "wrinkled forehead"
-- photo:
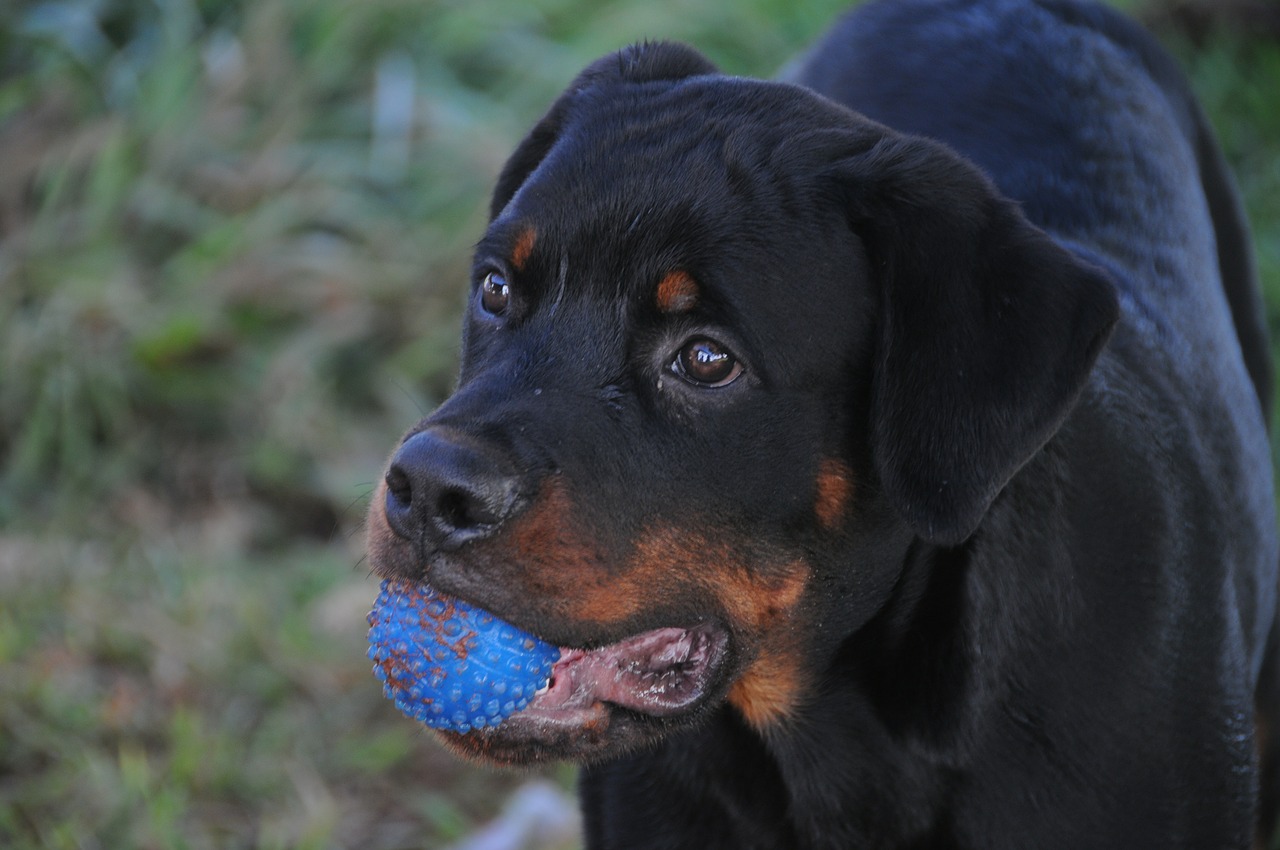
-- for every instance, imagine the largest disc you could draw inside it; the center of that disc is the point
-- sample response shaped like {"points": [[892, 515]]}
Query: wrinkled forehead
{"points": [[666, 173], [702, 199], [658, 149]]}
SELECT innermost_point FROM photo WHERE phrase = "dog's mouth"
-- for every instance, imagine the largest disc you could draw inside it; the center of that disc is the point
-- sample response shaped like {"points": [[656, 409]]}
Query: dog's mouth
{"points": [[663, 675], [659, 673]]}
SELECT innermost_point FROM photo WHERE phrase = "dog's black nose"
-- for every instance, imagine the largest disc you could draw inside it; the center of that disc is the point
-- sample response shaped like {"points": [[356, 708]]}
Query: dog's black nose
{"points": [[446, 490]]}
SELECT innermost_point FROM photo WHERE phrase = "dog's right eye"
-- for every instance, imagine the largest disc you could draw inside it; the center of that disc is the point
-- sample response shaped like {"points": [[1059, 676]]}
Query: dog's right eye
{"points": [[495, 293], [706, 363]]}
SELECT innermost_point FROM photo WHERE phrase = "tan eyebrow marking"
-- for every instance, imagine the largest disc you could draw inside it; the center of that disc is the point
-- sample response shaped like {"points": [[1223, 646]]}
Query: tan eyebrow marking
{"points": [[835, 490], [523, 248], [677, 292]]}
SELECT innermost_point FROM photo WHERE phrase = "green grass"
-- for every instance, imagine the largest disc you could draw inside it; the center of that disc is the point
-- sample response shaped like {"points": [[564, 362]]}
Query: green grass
{"points": [[152, 698], [1237, 81], [223, 296]]}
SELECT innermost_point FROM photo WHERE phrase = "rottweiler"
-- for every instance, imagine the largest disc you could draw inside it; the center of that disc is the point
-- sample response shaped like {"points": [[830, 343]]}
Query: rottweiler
{"points": [[885, 446]]}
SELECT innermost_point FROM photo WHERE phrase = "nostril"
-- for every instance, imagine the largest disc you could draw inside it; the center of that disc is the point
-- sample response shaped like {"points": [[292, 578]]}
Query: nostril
{"points": [[455, 510], [399, 487], [467, 510], [399, 503]]}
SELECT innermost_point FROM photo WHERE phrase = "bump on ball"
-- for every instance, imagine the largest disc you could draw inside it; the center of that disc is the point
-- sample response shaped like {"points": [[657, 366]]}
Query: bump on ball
{"points": [[450, 665]]}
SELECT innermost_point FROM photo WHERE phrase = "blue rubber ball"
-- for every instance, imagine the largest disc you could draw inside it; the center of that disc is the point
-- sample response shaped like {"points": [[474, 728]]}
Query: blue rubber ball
{"points": [[450, 665]]}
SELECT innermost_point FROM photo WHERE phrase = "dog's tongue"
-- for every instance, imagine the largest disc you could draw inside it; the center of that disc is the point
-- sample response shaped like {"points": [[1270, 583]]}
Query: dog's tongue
{"points": [[658, 673]]}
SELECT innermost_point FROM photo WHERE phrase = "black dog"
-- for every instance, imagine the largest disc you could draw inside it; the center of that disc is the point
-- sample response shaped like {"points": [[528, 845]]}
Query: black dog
{"points": [[893, 487]]}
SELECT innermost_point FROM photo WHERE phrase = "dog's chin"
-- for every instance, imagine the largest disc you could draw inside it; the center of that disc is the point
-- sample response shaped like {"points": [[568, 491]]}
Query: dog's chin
{"points": [[604, 702]]}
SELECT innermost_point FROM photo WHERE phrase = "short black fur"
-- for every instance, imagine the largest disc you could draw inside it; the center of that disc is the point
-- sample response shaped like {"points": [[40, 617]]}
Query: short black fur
{"points": [[984, 518]]}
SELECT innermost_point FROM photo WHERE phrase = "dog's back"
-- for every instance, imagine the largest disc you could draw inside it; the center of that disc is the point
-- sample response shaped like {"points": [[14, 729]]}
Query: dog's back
{"points": [[1003, 82], [1135, 182]]}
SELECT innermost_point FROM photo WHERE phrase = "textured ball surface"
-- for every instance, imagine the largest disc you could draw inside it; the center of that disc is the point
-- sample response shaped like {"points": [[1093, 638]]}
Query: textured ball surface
{"points": [[450, 665]]}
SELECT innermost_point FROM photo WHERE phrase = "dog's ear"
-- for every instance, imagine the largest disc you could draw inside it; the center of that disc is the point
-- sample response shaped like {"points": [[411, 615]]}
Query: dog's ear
{"points": [[639, 63], [987, 329]]}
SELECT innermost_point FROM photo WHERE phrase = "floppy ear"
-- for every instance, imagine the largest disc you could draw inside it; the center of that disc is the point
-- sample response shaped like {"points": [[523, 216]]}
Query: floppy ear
{"points": [[987, 330], [639, 63]]}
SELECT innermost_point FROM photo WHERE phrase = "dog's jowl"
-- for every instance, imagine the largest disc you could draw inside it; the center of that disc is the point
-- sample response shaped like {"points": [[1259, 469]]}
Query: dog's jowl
{"points": [[884, 449]]}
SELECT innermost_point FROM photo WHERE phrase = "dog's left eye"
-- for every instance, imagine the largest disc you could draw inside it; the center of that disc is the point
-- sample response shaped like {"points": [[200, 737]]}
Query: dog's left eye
{"points": [[495, 293], [706, 363]]}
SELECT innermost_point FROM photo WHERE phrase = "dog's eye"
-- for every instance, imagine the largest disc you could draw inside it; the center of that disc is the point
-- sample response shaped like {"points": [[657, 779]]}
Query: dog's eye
{"points": [[494, 293], [706, 363]]}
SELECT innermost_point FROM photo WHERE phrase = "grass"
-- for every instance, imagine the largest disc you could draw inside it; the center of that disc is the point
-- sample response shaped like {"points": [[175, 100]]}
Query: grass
{"points": [[233, 243]]}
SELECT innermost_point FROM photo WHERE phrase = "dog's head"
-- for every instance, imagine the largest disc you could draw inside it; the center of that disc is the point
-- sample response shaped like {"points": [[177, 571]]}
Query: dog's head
{"points": [[730, 348]]}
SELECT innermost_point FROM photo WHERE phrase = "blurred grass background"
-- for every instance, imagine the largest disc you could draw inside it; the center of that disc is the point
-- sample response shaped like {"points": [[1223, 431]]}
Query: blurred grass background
{"points": [[234, 239]]}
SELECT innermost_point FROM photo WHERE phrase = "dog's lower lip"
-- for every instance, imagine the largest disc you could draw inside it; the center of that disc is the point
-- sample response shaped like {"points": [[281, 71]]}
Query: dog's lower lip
{"points": [[659, 673]]}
